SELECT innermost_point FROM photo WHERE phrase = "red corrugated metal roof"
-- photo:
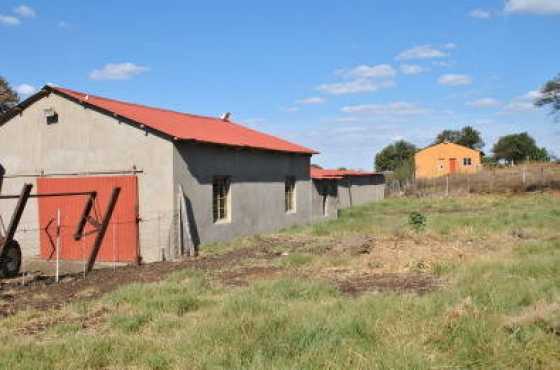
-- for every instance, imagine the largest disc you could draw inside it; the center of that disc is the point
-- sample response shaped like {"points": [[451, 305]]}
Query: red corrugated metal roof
{"points": [[324, 174], [321, 174], [185, 126]]}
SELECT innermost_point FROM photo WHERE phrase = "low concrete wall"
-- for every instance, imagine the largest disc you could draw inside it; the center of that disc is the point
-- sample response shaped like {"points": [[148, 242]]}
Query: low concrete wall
{"points": [[256, 190], [324, 209]]}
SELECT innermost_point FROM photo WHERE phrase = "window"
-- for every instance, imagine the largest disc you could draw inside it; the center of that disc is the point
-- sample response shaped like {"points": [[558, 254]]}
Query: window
{"points": [[290, 194], [220, 198], [467, 162], [51, 116], [441, 163]]}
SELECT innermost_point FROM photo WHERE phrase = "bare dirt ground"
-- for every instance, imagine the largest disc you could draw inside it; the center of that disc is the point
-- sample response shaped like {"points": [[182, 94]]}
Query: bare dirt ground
{"points": [[395, 264]]}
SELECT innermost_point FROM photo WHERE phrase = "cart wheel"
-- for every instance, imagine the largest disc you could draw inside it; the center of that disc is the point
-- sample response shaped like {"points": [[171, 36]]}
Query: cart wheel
{"points": [[10, 262]]}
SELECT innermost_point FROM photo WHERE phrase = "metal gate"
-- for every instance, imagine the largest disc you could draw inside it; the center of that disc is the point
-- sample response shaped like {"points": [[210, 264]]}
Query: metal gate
{"points": [[121, 240]]}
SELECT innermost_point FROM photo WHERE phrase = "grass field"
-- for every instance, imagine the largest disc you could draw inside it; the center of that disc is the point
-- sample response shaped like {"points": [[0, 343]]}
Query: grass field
{"points": [[479, 287]]}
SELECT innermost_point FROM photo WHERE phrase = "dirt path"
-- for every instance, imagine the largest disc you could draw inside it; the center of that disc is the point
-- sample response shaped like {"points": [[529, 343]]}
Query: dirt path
{"points": [[234, 268], [42, 292]]}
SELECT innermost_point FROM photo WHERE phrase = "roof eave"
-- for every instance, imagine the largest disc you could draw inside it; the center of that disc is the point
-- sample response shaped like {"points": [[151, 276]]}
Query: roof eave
{"points": [[45, 90]]}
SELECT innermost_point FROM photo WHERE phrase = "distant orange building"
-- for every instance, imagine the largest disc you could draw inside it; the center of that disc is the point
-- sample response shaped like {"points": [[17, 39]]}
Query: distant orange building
{"points": [[446, 159]]}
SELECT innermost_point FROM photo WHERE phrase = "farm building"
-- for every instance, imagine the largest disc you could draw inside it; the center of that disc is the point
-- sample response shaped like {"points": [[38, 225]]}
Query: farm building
{"points": [[235, 180], [446, 159], [184, 178], [339, 189]]}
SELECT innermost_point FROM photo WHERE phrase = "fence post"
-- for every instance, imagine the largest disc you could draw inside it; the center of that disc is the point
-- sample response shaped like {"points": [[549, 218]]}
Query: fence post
{"points": [[447, 185], [115, 227], [57, 245]]}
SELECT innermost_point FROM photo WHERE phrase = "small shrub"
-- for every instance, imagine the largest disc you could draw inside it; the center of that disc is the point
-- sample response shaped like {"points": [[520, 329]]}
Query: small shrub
{"points": [[417, 220], [130, 323], [297, 260]]}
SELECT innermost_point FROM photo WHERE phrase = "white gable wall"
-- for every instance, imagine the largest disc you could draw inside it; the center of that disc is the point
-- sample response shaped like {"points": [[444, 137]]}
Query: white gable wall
{"points": [[85, 140]]}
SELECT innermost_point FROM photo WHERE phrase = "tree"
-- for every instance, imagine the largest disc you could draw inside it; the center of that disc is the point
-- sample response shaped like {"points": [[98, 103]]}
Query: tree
{"points": [[450, 136], [519, 147], [540, 155], [8, 97], [397, 157], [550, 96], [470, 137], [467, 136]]}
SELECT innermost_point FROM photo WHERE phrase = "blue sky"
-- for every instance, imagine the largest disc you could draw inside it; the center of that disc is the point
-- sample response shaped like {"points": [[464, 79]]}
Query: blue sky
{"points": [[343, 77]]}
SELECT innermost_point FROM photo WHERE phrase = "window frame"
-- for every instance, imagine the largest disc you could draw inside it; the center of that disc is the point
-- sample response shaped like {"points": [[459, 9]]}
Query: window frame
{"points": [[467, 161], [290, 195], [221, 199]]}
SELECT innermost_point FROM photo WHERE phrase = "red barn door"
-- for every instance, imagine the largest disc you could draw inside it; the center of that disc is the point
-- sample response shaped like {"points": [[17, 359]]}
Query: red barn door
{"points": [[121, 240]]}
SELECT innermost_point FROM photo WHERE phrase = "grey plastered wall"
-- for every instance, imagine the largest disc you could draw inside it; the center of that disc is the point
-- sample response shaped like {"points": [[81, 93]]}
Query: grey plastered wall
{"points": [[330, 189], [257, 189], [86, 140], [356, 190]]}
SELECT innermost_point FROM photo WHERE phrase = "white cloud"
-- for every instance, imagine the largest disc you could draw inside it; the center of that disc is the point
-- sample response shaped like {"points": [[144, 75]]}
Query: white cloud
{"points": [[117, 71], [365, 71], [450, 45], [532, 95], [311, 100], [354, 86], [25, 11], [523, 103], [442, 63], [8, 20], [292, 109], [480, 13], [412, 69], [454, 80], [519, 106], [540, 7], [396, 108], [25, 90], [421, 52], [485, 103]]}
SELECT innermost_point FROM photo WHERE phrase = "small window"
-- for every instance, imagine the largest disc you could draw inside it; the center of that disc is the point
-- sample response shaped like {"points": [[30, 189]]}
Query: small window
{"points": [[220, 198], [467, 162], [441, 163], [290, 194], [51, 116]]}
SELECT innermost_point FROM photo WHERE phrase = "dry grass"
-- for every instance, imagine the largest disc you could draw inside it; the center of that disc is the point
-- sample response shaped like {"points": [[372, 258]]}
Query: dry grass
{"points": [[521, 178], [479, 288]]}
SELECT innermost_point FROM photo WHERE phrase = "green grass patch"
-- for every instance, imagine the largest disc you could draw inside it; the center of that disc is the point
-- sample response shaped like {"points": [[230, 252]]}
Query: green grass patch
{"points": [[186, 321]]}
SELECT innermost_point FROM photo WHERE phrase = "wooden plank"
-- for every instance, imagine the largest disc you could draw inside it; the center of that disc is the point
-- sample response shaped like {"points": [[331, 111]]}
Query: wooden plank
{"points": [[188, 244], [103, 228]]}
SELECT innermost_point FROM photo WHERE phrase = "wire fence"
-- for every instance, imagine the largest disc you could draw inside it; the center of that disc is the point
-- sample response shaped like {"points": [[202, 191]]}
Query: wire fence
{"points": [[157, 233], [520, 178]]}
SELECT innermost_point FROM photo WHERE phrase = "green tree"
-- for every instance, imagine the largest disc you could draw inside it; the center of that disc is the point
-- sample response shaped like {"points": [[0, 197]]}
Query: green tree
{"points": [[468, 136], [540, 155], [8, 97], [519, 147], [397, 157], [550, 96], [450, 136]]}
